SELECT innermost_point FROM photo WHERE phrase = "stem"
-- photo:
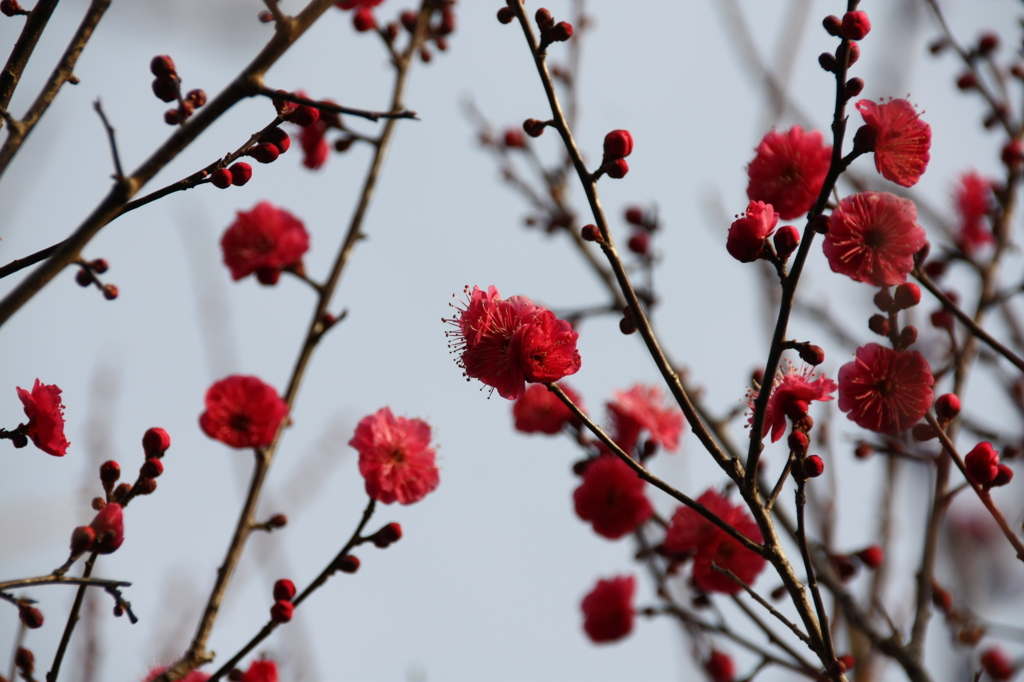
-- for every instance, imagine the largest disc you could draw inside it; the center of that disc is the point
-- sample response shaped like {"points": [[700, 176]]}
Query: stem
{"points": [[72, 621], [35, 23], [812, 580]]}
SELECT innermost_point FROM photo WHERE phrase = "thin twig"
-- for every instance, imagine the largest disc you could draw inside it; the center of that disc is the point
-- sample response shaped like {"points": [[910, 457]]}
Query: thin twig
{"points": [[69, 627], [110, 136], [336, 108], [812, 580], [763, 602], [22, 263], [35, 23], [355, 539]]}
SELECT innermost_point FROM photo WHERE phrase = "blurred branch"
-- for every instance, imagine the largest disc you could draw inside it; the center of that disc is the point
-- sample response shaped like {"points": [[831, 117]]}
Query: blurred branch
{"points": [[35, 23]]}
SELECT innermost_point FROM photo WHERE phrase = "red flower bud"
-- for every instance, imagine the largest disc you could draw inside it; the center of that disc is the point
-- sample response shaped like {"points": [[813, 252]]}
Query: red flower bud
{"points": [[533, 127], [221, 178], [617, 169], [1003, 476], [947, 406], [908, 336], [83, 277], [277, 521], [635, 216], [639, 242], [865, 139], [281, 611], [279, 138], [798, 442], [387, 535], [907, 295], [172, 117], [821, 223], [827, 61], [109, 528], [618, 144], [152, 468], [813, 466], [11, 8], [241, 172], [561, 32], [967, 81], [988, 43], [879, 324], [863, 451], [145, 486], [832, 24], [24, 659], [284, 590], [363, 19], [853, 50], [544, 19], [162, 66], [155, 442], [81, 540], [590, 233], [305, 116], [855, 25], [165, 89], [1013, 153], [506, 15], [854, 86], [265, 152], [110, 471], [942, 319], [514, 139], [982, 464], [872, 556], [923, 432], [196, 98], [348, 564], [786, 239], [110, 291], [812, 355]]}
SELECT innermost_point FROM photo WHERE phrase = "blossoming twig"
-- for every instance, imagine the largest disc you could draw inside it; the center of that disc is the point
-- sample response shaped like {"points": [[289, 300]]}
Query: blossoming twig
{"points": [[355, 539], [336, 108]]}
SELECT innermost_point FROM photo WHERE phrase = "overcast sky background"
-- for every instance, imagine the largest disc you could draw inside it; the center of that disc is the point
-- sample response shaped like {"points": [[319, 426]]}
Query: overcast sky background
{"points": [[487, 581]]}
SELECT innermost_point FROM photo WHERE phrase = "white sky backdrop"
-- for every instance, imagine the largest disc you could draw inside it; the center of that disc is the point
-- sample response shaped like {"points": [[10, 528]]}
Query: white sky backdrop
{"points": [[487, 581]]}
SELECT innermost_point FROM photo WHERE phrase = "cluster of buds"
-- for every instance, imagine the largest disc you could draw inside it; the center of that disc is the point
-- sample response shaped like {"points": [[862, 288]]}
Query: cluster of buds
{"points": [[644, 224], [271, 144], [386, 536], [906, 295], [846, 565], [167, 88], [852, 27], [25, 661], [283, 608], [618, 144], [87, 275], [237, 174], [550, 32]]}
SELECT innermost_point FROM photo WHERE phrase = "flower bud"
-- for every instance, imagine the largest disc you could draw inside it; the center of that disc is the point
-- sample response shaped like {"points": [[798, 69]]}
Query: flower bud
{"points": [[533, 127], [155, 442], [265, 152], [221, 178], [854, 86], [172, 117], [982, 464], [348, 564], [83, 277], [109, 528], [145, 486], [942, 319], [786, 239], [241, 172], [277, 521], [110, 291], [81, 540], [798, 442], [865, 139], [853, 54], [947, 407], [152, 468], [284, 590], [863, 451], [304, 116], [812, 355], [1003, 476], [281, 611], [618, 144], [363, 19], [907, 295], [923, 432], [590, 233], [162, 66], [872, 556], [387, 535], [988, 43], [514, 139], [855, 25], [32, 618], [821, 223], [196, 98], [616, 169], [110, 471], [832, 24], [635, 216], [879, 324], [561, 32], [827, 61], [506, 15], [639, 242], [277, 137], [813, 466], [544, 19], [967, 81], [166, 89]]}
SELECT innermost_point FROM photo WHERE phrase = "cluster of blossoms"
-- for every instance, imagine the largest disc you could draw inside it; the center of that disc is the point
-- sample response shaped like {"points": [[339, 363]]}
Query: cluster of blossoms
{"points": [[506, 343]]}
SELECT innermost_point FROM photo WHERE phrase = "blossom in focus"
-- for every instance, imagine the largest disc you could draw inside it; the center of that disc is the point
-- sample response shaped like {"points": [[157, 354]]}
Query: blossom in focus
{"points": [[792, 392], [641, 409], [712, 546], [902, 139], [973, 203], [873, 238], [608, 609], [540, 411], [789, 170], [264, 241], [243, 412], [45, 413], [263, 670], [505, 343], [749, 233], [395, 457], [884, 390], [612, 497]]}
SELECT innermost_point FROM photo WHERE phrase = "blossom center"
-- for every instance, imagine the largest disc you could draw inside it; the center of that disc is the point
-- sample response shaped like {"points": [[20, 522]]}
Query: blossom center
{"points": [[240, 422], [874, 238]]}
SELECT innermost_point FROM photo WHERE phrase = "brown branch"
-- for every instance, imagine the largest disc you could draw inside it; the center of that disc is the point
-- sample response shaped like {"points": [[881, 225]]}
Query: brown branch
{"points": [[763, 602], [61, 74], [110, 136], [22, 263], [8, 585], [35, 23], [246, 84], [69, 627]]}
